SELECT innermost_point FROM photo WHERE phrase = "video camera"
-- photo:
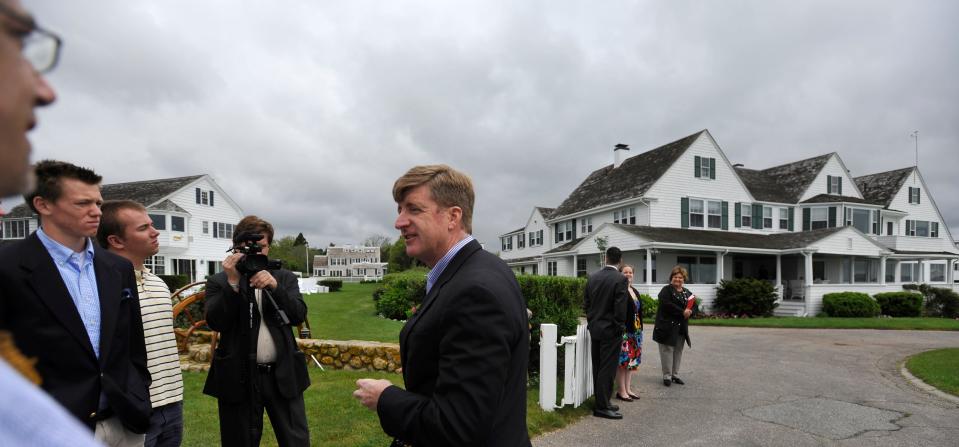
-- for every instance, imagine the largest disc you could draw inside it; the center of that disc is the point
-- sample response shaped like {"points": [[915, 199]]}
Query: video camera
{"points": [[254, 261]]}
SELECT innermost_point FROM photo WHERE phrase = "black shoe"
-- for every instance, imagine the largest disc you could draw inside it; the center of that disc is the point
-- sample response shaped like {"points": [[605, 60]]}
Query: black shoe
{"points": [[624, 399], [614, 407], [667, 382], [678, 381], [607, 414]]}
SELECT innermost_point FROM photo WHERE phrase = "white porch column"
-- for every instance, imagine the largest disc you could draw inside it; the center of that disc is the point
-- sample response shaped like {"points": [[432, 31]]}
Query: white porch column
{"points": [[921, 277], [649, 267], [576, 266], [882, 270], [779, 275], [949, 277], [807, 299], [852, 270], [897, 271], [720, 260]]}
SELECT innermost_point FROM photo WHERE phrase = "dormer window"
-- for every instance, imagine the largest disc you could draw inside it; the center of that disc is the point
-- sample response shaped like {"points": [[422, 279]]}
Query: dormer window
{"points": [[704, 167], [913, 195], [204, 197]]}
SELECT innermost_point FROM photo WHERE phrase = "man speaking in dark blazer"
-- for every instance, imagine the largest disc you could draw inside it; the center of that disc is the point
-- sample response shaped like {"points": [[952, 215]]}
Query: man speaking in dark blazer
{"points": [[74, 307], [605, 304], [466, 348]]}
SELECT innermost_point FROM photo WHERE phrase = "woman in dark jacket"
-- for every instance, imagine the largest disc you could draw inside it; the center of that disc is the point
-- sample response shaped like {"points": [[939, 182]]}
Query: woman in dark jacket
{"points": [[672, 324], [631, 354]]}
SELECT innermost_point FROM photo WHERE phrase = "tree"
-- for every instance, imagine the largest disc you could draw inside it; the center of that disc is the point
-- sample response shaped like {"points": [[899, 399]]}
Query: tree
{"points": [[293, 256], [378, 240], [300, 240], [399, 260]]}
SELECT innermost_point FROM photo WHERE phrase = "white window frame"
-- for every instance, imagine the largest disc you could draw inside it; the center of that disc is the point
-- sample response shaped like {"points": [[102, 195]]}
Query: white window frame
{"points": [[701, 214], [834, 184], [704, 172], [625, 216], [813, 219], [204, 197], [718, 214], [15, 229], [783, 218], [941, 275], [520, 241], [586, 226], [914, 195], [551, 268], [746, 215], [768, 221]]}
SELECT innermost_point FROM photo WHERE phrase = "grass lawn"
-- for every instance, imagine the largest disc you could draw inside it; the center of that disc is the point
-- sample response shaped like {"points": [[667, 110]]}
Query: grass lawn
{"points": [[335, 417], [928, 324], [937, 368], [349, 315]]}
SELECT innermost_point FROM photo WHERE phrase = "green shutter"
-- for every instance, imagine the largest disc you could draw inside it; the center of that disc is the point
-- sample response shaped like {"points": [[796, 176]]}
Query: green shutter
{"points": [[876, 224], [739, 215], [574, 228], [840, 185], [712, 168], [828, 184], [791, 217], [725, 209], [757, 221], [832, 217], [696, 164], [806, 219], [684, 209]]}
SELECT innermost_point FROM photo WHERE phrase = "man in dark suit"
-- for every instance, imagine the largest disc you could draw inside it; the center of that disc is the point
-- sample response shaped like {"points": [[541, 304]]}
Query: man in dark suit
{"points": [[466, 349], [257, 364], [74, 307], [605, 304]]}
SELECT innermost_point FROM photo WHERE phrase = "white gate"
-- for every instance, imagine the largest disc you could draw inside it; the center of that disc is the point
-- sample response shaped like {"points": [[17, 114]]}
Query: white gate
{"points": [[578, 370]]}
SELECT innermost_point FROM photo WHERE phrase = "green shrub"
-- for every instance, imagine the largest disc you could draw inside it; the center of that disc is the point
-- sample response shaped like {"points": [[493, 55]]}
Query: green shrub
{"points": [[552, 299], [400, 293], [745, 296], [649, 306], [333, 284], [900, 304], [940, 302], [175, 282], [849, 304]]}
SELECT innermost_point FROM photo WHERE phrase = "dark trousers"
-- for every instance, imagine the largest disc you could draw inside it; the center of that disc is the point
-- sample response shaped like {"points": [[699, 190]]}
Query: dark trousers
{"points": [[166, 426], [288, 417], [605, 353]]}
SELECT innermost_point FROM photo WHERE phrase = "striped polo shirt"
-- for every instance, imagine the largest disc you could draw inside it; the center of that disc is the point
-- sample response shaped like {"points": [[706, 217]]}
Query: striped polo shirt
{"points": [[163, 360]]}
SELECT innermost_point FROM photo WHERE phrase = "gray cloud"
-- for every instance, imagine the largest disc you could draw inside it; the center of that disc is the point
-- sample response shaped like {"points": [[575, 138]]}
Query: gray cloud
{"points": [[306, 112]]}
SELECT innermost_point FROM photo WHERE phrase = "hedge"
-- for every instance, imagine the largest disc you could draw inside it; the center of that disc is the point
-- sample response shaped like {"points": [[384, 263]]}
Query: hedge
{"points": [[900, 304], [400, 293], [849, 304], [333, 284], [940, 302], [746, 296], [552, 299]]}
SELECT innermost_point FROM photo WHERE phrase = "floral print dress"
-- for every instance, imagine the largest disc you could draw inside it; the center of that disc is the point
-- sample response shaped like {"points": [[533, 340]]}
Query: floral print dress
{"points": [[631, 354]]}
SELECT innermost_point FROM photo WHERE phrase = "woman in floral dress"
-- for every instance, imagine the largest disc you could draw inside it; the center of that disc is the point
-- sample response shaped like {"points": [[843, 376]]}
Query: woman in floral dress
{"points": [[632, 349]]}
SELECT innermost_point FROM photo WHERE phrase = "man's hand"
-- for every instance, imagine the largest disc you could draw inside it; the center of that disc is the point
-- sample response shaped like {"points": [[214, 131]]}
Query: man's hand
{"points": [[263, 280], [368, 391], [229, 266], [687, 313]]}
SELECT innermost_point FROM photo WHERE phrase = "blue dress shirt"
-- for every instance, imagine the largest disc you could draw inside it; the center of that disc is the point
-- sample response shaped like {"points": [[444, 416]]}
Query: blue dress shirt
{"points": [[437, 269]]}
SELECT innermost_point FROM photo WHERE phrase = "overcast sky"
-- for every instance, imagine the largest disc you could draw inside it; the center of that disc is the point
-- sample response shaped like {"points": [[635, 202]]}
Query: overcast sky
{"points": [[306, 112]]}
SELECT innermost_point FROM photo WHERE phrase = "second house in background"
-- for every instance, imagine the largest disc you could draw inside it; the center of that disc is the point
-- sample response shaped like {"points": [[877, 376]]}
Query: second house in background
{"points": [[194, 215]]}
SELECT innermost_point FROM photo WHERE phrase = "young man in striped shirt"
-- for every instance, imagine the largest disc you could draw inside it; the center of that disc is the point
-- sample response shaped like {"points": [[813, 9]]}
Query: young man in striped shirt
{"points": [[126, 229]]}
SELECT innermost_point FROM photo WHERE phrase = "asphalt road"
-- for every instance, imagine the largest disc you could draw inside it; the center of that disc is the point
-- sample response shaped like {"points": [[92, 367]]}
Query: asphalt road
{"points": [[780, 387]]}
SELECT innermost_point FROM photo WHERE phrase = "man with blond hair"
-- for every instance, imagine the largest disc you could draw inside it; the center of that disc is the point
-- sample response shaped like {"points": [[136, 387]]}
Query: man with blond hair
{"points": [[127, 230], [466, 348]]}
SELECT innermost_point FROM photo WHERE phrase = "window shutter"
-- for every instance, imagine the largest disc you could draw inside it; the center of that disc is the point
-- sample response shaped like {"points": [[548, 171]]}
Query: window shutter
{"points": [[574, 229], [840, 184], [215, 235], [757, 216], [832, 217], [684, 210], [875, 222], [198, 195], [910, 194], [806, 219], [712, 168], [738, 218], [556, 232], [725, 211], [211, 197], [696, 165], [918, 196], [791, 218], [828, 184], [934, 229]]}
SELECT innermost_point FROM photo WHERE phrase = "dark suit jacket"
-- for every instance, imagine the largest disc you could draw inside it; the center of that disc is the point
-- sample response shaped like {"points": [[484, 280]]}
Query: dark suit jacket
{"points": [[605, 303], [228, 312], [670, 324], [36, 307], [464, 355]]}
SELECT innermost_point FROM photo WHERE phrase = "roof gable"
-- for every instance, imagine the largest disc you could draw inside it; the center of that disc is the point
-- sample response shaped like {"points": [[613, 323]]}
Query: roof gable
{"points": [[882, 187], [631, 179], [784, 183]]}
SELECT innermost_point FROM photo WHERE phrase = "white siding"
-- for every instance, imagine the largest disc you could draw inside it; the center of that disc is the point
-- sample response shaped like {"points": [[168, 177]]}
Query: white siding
{"points": [[847, 242], [680, 181], [924, 210], [536, 222], [833, 168]]}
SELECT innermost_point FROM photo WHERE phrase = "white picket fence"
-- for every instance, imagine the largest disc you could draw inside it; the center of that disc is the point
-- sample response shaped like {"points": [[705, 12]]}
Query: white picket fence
{"points": [[578, 369]]}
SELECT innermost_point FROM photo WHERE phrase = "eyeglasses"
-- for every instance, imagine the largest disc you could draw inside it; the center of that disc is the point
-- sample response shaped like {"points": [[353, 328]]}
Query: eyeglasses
{"points": [[39, 47]]}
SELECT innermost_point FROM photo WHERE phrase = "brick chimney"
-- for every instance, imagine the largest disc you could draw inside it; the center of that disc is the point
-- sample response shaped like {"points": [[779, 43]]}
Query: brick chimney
{"points": [[620, 153]]}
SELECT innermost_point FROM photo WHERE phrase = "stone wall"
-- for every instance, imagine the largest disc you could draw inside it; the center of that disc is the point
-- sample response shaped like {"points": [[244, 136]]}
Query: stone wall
{"points": [[337, 354]]}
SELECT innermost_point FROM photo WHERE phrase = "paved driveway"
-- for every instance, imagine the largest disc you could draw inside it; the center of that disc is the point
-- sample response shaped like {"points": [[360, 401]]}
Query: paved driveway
{"points": [[780, 387]]}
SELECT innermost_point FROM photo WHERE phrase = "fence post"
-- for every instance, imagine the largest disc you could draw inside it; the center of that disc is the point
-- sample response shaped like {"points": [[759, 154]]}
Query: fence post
{"points": [[547, 366]]}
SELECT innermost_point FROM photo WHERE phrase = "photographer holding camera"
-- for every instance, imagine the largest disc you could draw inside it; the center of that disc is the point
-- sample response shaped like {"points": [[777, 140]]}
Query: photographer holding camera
{"points": [[257, 364]]}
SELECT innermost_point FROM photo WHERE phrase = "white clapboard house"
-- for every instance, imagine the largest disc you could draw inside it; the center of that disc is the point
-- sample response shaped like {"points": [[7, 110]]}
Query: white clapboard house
{"points": [[194, 215], [809, 227], [350, 262]]}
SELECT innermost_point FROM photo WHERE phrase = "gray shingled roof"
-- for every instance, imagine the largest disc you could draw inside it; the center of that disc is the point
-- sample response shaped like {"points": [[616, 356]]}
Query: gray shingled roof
{"points": [[546, 212], [882, 187], [145, 192], [565, 247], [779, 241], [784, 183], [631, 179], [832, 198], [521, 260], [518, 230], [168, 205]]}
